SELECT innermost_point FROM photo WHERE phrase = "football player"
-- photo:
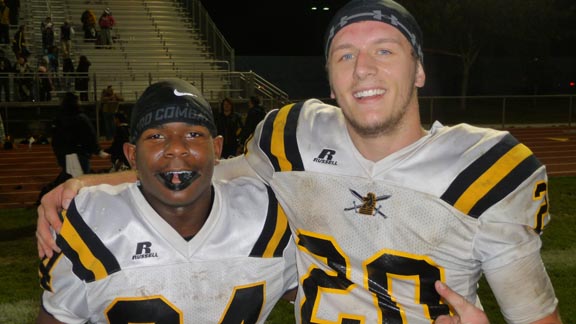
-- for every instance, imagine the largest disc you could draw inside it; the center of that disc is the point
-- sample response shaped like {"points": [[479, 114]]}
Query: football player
{"points": [[381, 208], [176, 246]]}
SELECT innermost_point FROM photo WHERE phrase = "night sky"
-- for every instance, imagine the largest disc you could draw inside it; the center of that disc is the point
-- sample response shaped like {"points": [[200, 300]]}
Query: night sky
{"points": [[277, 28], [290, 28]]}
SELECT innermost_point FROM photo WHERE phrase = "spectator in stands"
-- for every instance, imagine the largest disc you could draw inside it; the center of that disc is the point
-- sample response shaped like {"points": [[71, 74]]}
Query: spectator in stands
{"points": [[110, 101], [23, 79], [67, 74], [106, 23], [4, 23], [14, 6], [6, 70], [82, 77], [88, 20], [116, 149], [66, 34], [47, 29], [20, 44], [255, 114], [229, 125], [45, 82]]}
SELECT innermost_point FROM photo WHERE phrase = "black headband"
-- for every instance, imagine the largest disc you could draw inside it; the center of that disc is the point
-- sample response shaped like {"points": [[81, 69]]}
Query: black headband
{"points": [[386, 11], [167, 101]]}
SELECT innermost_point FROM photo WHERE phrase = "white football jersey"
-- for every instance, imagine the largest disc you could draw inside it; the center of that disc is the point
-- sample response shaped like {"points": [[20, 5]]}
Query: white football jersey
{"points": [[122, 263], [373, 237]]}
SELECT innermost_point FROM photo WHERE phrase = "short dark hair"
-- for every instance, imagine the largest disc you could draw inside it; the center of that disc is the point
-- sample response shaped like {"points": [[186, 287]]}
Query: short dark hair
{"points": [[226, 99]]}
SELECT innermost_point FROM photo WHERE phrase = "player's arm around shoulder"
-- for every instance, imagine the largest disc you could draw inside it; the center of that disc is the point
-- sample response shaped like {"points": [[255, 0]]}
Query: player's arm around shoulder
{"points": [[59, 198]]}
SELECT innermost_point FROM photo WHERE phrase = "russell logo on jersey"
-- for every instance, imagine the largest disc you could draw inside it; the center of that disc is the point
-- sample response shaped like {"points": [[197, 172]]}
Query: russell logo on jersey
{"points": [[143, 251], [326, 156]]}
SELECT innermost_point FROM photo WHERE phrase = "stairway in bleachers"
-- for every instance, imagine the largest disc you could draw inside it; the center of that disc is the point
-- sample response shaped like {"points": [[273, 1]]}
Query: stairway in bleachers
{"points": [[25, 170]]}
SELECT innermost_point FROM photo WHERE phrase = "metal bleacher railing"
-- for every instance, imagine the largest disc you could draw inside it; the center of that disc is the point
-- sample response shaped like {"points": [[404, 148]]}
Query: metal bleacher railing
{"points": [[154, 39]]}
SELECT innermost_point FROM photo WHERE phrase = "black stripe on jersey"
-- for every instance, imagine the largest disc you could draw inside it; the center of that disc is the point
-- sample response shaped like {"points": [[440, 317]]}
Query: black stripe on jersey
{"points": [[276, 234], [506, 186], [266, 137], [278, 139], [491, 177], [45, 269], [90, 258]]}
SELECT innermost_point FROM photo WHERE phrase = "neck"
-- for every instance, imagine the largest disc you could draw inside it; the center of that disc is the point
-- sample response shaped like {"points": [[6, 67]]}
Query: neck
{"points": [[378, 147], [189, 219]]}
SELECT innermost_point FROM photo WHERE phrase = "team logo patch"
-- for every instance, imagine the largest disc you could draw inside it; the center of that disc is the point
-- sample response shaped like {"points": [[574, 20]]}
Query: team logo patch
{"points": [[143, 251], [326, 157], [366, 205]]}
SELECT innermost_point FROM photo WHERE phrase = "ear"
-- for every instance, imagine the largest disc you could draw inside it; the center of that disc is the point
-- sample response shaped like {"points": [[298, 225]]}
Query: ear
{"points": [[217, 141], [130, 153], [420, 79]]}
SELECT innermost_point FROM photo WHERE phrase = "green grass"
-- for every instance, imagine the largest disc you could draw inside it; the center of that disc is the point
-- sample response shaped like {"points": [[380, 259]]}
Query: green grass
{"points": [[19, 289]]}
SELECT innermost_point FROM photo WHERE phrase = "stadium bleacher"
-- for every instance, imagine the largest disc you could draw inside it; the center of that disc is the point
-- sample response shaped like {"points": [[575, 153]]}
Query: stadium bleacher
{"points": [[153, 38], [25, 169]]}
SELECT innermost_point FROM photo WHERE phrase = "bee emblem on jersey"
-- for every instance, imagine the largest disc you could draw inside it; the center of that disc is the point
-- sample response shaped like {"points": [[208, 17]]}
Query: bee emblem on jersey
{"points": [[367, 204]]}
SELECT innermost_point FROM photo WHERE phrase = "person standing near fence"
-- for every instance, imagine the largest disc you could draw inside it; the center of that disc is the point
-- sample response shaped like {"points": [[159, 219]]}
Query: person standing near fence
{"points": [[254, 115], [67, 83], [6, 69], [44, 81], [82, 77], [73, 132], [229, 125], [109, 102], [23, 79]]}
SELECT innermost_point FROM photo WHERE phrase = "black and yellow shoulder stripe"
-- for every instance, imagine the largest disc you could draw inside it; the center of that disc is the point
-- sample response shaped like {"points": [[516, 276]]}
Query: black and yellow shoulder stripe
{"points": [[276, 234], [278, 139], [491, 177], [91, 259], [45, 270]]}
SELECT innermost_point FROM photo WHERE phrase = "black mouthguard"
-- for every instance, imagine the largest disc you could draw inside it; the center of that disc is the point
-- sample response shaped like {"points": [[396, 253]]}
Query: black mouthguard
{"points": [[186, 178]]}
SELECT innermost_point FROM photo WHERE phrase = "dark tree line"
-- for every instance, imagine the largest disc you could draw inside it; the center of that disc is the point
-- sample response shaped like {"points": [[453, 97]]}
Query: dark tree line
{"points": [[533, 30]]}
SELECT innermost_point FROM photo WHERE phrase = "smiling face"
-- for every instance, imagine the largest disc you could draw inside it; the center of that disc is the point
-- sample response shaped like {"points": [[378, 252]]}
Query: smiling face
{"points": [[175, 162], [374, 77]]}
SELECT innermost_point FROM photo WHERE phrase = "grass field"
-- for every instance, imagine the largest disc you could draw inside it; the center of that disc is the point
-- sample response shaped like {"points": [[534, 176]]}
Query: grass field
{"points": [[19, 290]]}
